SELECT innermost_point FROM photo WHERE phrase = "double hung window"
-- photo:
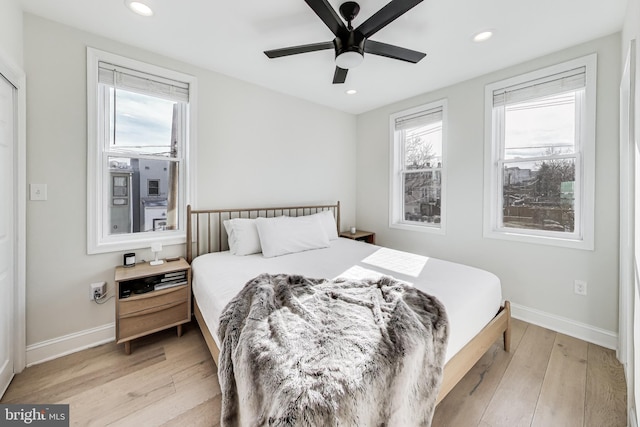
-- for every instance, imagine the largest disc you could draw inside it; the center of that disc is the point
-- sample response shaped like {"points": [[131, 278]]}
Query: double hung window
{"points": [[540, 156], [418, 166], [139, 142]]}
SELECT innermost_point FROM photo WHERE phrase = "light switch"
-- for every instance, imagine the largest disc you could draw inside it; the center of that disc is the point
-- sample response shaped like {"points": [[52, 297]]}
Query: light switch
{"points": [[38, 191]]}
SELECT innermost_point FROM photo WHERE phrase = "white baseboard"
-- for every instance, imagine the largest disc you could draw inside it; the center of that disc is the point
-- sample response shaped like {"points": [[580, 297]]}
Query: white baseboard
{"points": [[592, 334], [61, 346], [67, 344]]}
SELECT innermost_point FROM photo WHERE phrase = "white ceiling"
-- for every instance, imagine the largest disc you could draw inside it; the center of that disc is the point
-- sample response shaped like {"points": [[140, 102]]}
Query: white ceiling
{"points": [[230, 36]]}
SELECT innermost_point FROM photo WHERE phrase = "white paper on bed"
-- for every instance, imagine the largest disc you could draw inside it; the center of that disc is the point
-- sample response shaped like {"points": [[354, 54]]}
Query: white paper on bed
{"points": [[471, 296]]}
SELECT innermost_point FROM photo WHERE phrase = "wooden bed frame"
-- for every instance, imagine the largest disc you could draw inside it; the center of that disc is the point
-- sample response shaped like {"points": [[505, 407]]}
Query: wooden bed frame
{"points": [[205, 234]]}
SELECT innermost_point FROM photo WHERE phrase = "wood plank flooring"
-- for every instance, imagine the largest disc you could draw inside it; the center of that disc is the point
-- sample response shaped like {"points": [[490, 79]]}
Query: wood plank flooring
{"points": [[547, 379]]}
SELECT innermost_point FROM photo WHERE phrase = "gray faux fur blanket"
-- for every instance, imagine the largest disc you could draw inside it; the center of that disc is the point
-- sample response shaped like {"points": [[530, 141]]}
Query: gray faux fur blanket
{"points": [[310, 352]]}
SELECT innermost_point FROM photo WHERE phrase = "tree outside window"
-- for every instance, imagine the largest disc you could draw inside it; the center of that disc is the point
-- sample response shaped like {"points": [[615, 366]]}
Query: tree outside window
{"points": [[540, 164]]}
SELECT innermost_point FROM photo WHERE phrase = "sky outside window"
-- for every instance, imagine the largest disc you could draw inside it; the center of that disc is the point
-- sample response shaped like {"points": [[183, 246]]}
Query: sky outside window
{"points": [[142, 123], [541, 127]]}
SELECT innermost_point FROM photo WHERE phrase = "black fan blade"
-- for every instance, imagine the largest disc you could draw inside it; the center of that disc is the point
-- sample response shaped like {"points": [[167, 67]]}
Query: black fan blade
{"points": [[384, 16], [294, 50], [340, 75], [391, 51], [323, 9]]}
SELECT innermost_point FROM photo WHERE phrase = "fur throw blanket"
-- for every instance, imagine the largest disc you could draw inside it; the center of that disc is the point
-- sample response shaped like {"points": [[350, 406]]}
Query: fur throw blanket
{"points": [[311, 352]]}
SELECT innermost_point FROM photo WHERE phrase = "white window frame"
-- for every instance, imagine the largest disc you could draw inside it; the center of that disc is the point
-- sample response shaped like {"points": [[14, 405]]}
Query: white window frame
{"points": [[583, 235], [98, 240], [396, 193]]}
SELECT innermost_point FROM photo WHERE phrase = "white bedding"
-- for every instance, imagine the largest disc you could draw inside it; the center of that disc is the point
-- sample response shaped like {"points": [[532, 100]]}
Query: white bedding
{"points": [[471, 296]]}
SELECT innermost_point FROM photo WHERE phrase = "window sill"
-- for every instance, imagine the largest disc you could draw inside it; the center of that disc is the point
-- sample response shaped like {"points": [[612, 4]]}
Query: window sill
{"points": [[138, 241], [419, 228], [515, 236]]}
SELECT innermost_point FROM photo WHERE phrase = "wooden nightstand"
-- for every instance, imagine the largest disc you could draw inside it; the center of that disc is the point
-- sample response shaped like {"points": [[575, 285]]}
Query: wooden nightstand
{"points": [[151, 298], [365, 236]]}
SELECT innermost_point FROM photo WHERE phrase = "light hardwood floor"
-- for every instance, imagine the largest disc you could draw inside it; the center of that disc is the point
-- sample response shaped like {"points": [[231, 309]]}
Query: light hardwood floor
{"points": [[547, 379]]}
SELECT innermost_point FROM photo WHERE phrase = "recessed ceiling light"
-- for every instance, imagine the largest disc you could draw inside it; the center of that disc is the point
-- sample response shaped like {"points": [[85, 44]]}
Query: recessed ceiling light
{"points": [[483, 36], [351, 92], [139, 7]]}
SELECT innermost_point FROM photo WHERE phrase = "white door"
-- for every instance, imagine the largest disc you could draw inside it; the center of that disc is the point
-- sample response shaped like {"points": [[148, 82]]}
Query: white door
{"points": [[7, 226]]}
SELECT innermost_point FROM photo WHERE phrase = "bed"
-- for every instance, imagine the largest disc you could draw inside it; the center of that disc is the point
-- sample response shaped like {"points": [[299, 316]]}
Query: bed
{"points": [[472, 297]]}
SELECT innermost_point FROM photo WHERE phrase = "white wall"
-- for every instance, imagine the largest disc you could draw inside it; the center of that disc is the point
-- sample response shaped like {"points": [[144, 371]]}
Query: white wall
{"points": [[534, 276], [262, 147], [11, 31], [631, 26], [255, 148]]}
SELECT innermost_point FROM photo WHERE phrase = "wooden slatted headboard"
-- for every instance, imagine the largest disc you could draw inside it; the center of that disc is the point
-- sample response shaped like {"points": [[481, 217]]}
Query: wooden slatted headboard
{"points": [[205, 231]]}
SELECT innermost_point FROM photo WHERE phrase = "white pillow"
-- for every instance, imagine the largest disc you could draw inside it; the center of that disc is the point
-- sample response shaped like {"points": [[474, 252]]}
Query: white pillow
{"points": [[285, 235], [243, 236], [328, 224]]}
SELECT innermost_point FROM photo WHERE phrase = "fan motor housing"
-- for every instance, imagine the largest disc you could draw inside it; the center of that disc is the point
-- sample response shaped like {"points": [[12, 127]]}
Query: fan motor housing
{"points": [[354, 42]]}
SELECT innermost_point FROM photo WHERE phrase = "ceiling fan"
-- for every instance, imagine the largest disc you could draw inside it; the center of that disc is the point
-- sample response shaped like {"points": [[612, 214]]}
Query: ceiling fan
{"points": [[350, 44]]}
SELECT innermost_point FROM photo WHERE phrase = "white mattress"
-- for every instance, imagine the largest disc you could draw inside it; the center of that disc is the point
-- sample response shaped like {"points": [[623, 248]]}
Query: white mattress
{"points": [[471, 296]]}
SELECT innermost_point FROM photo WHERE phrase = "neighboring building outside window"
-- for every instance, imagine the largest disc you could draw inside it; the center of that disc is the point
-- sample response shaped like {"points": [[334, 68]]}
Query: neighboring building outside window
{"points": [[540, 156], [140, 121], [418, 162]]}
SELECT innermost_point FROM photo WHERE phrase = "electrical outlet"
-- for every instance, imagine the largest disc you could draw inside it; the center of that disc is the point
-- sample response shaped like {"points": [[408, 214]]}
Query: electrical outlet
{"points": [[98, 290], [580, 287]]}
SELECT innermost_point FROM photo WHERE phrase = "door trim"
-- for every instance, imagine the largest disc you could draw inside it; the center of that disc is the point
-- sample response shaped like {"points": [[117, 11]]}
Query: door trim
{"points": [[627, 178], [626, 347], [17, 78]]}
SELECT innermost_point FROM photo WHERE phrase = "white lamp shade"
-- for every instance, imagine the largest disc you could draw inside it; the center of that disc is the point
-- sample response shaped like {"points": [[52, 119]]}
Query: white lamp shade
{"points": [[350, 59]]}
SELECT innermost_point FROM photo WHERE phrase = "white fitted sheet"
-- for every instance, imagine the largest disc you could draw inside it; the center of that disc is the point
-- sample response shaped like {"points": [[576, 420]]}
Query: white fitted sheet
{"points": [[471, 296]]}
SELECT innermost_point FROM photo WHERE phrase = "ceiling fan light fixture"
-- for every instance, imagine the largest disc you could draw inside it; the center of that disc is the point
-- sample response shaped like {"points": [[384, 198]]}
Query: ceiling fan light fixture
{"points": [[139, 7], [349, 59]]}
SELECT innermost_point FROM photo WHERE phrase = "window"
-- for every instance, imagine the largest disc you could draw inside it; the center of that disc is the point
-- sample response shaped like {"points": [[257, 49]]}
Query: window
{"points": [[139, 142], [153, 187], [540, 149], [418, 168]]}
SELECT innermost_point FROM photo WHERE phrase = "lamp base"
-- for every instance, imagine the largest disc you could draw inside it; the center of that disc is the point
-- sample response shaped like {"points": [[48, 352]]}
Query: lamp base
{"points": [[157, 262]]}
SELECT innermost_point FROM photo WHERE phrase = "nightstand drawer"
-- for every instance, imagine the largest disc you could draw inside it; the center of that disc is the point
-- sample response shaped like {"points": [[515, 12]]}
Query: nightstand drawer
{"points": [[153, 300], [150, 320]]}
